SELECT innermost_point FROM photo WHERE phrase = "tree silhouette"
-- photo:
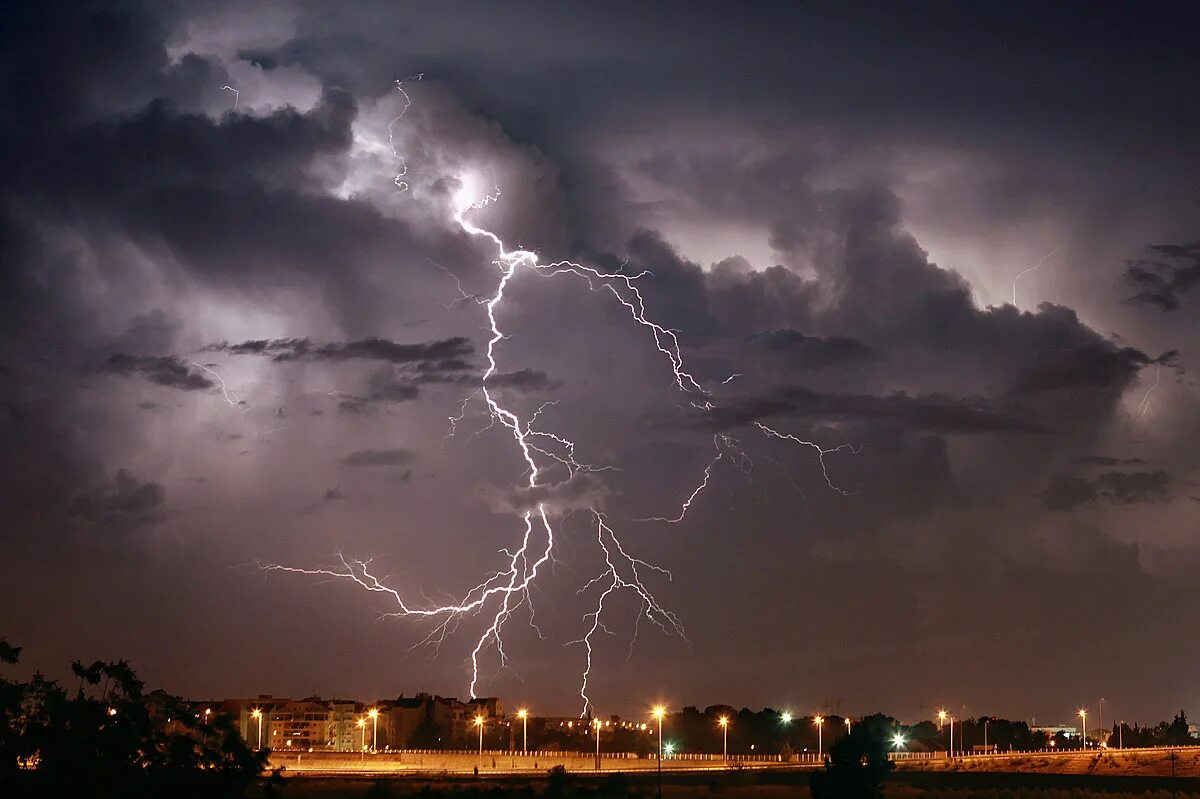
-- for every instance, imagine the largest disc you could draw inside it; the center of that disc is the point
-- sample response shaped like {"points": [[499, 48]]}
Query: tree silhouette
{"points": [[856, 764], [111, 739]]}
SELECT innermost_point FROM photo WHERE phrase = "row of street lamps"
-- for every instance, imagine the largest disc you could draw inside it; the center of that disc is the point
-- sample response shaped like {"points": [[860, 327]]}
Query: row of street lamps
{"points": [[659, 712]]}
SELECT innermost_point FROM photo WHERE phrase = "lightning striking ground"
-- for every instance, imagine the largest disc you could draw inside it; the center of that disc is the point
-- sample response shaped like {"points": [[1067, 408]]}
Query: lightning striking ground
{"points": [[504, 592]]}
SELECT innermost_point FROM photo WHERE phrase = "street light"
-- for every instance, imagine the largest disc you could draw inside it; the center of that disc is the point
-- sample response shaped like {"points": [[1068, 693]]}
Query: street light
{"points": [[659, 712], [724, 722], [374, 714], [479, 724], [942, 717], [785, 718], [257, 713], [362, 730], [596, 724], [847, 725], [898, 742], [523, 715], [819, 721], [1083, 716]]}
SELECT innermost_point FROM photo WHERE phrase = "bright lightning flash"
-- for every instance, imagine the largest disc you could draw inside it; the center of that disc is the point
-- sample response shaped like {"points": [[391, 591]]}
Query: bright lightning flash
{"points": [[504, 592]]}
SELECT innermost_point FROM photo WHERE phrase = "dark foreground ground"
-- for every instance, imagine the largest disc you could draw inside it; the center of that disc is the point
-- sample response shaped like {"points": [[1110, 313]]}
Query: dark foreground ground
{"points": [[781, 784]]}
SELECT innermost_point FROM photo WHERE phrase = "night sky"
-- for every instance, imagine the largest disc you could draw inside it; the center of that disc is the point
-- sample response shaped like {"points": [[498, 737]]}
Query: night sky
{"points": [[228, 337]]}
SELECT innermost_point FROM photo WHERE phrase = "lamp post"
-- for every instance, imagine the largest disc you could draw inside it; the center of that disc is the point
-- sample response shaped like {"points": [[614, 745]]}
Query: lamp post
{"points": [[523, 715], [819, 721], [1121, 735], [724, 722], [943, 717], [479, 724], [596, 724], [985, 726], [374, 714], [847, 725], [257, 713], [362, 737], [1083, 717], [659, 712]]}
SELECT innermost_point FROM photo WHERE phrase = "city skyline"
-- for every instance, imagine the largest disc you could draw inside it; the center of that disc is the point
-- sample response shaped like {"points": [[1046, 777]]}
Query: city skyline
{"points": [[827, 358]]}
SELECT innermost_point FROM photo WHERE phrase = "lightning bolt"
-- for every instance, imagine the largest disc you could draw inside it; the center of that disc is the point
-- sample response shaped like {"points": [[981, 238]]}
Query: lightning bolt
{"points": [[236, 95], [1026, 271], [687, 503], [821, 451], [1145, 403], [613, 581], [232, 399], [399, 180], [504, 592]]}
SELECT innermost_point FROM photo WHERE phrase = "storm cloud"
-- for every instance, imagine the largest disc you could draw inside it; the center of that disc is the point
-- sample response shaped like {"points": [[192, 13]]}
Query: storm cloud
{"points": [[820, 212]]}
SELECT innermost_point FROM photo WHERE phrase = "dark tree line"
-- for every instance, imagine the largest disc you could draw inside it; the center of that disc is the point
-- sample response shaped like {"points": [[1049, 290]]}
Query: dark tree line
{"points": [[110, 738]]}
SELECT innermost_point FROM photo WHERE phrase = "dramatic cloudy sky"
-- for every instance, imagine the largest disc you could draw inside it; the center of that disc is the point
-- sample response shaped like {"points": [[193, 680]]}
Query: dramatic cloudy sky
{"points": [[227, 337]]}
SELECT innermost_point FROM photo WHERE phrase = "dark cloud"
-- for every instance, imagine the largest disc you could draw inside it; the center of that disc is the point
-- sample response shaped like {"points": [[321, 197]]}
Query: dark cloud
{"points": [[1096, 365], [166, 370], [333, 495], [370, 349], [815, 352], [530, 380], [933, 413], [379, 457], [121, 505], [1107, 460], [1117, 488], [1168, 278]]}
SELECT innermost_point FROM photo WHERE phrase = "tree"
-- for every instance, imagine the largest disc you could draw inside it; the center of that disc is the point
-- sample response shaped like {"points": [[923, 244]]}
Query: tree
{"points": [[111, 739], [857, 763]]}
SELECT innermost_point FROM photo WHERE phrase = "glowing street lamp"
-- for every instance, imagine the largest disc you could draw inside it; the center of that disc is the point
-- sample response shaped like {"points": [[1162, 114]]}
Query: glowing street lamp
{"points": [[374, 714], [897, 742], [659, 712], [257, 713], [596, 724], [362, 736], [479, 724], [819, 721], [523, 715], [785, 718], [1083, 717], [943, 717], [724, 722], [847, 725]]}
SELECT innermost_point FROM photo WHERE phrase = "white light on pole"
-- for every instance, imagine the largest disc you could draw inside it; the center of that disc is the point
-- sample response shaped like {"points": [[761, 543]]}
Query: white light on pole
{"points": [[820, 722], [596, 724], [523, 715], [479, 724], [724, 722], [257, 713], [1083, 716], [374, 714]]}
